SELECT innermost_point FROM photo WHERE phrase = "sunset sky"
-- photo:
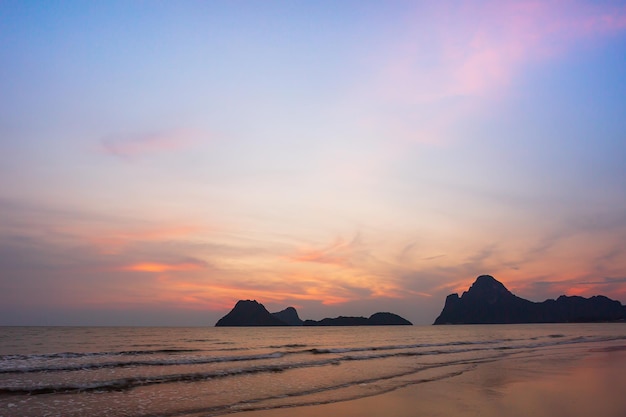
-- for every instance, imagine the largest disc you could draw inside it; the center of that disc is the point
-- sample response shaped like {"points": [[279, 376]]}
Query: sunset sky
{"points": [[161, 160]]}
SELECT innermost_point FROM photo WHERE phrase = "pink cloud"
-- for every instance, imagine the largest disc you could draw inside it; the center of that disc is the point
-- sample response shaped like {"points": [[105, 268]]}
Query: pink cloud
{"points": [[135, 145], [492, 44], [479, 48], [454, 55]]}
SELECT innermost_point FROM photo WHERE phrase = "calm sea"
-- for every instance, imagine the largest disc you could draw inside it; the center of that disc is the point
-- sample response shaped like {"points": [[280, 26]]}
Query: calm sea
{"points": [[95, 371]]}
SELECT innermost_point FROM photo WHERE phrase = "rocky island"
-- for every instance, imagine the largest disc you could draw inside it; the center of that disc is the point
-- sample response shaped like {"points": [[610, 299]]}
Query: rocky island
{"points": [[377, 319], [488, 301], [252, 313]]}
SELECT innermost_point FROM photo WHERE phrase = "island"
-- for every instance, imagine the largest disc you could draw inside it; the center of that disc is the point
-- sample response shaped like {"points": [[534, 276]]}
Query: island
{"points": [[488, 301], [253, 313], [376, 319]]}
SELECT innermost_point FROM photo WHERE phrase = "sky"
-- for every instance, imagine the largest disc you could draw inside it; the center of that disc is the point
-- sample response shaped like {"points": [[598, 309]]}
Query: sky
{"points": [[161, 160]]}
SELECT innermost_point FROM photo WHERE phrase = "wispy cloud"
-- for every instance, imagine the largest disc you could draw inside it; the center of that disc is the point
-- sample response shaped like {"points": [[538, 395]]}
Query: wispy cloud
{"points": [[451, 61], [483, 46], [132, 145], [541, 288], [339, 253], [112, 242]]}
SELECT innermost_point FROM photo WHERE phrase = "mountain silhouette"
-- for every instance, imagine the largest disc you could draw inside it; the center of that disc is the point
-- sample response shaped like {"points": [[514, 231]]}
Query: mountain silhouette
{"points": [[376, 319], [488, 301], [289, 316], [249, 313], [252, 313]]}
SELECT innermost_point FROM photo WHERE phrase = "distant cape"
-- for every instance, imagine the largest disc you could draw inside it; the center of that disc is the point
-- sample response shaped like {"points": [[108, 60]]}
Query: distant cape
{"points": [[253, 313], [488, 301]]}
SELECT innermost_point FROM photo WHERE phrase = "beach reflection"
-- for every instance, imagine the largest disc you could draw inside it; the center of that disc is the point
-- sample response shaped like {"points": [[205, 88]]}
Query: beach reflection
{"points": [[592, 387], [565, 384]]}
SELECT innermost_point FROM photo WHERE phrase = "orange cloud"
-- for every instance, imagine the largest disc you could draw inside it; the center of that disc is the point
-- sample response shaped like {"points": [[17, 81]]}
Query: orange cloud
{"points": [[224, 287], [164, 267], [320, 256], [223, 297], [114, 242], [337, 253]]}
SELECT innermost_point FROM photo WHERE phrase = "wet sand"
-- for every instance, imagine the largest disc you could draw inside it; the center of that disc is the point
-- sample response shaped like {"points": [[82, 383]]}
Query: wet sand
{"points": [[581, 382]]}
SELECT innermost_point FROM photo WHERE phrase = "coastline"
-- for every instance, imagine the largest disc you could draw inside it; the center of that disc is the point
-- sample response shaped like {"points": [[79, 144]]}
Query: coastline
{"points": [[573, 382]]}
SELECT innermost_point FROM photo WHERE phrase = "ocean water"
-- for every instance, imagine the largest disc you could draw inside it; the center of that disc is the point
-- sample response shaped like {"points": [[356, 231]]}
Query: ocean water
{"points": [[99, 371]]}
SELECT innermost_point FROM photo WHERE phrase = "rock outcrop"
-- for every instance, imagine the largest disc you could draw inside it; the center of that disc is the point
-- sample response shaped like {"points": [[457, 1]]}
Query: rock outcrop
{"points": [[249, 313], [289, 316], [388, 319], [489, 302]]}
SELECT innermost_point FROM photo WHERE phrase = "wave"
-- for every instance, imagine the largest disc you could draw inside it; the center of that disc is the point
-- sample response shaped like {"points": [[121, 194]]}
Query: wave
{"points": [[75, 355], [212, 359], [384, 351], [288, 345], [125, 384], [120, 364], [130, 383], [321, 351], [299, 398]]}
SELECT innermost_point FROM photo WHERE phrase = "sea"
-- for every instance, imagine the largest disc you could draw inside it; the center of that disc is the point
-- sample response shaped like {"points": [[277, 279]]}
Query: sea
{"points": [[193, 372]]}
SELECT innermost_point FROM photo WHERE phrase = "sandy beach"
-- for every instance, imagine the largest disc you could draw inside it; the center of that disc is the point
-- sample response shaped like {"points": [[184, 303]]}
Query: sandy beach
{"points": [[587, 381]]}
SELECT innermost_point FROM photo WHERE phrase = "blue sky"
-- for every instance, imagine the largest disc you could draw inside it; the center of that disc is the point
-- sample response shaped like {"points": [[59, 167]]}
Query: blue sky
{"points": [[160, 161]]}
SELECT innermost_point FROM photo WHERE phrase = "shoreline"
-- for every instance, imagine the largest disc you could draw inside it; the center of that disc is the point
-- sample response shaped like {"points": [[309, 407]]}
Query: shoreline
{"points": [[558, 382]]}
